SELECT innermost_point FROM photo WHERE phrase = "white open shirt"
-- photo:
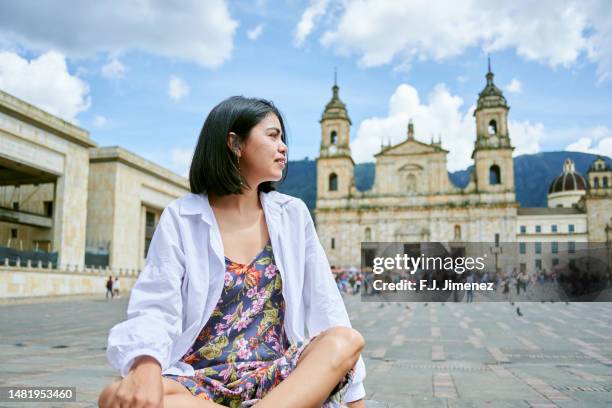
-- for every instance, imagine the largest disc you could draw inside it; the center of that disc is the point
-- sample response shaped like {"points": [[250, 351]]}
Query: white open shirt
{"points": [[181, 283]]}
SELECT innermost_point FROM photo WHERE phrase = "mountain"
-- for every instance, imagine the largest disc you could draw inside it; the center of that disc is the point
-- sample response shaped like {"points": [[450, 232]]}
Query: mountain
{"points": [[533, 174]]}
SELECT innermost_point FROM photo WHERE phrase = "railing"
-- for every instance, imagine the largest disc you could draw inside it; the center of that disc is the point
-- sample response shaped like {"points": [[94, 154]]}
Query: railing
{"points": [[15, 256], [68, 268]]}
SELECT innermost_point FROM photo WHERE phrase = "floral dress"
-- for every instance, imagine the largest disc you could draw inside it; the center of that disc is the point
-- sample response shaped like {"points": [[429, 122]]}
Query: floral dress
{"points": [[243, 352]]}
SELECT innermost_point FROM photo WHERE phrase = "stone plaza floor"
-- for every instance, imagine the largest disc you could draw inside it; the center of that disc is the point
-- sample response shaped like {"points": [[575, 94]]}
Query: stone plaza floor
{"points": [[417, 355]]}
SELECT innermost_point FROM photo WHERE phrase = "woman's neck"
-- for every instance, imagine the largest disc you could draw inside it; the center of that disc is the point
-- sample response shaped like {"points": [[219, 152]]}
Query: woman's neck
{"points": [[241, 204]]}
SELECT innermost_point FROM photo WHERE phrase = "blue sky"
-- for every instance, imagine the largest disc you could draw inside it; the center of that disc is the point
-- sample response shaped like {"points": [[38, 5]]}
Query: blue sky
{"points": [[143, 75]]}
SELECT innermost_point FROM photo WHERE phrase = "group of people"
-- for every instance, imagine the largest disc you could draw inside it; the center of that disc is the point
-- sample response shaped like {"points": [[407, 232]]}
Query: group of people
{"points": [[349, 280], [112, 287]]}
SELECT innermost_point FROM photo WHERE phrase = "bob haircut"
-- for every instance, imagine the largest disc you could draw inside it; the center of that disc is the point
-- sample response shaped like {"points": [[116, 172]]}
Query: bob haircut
{"points": [[214, 168]]}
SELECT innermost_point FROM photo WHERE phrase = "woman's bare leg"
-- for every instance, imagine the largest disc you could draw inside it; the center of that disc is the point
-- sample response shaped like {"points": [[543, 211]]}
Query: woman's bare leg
{"points": [[322, 365], [175, 395]]}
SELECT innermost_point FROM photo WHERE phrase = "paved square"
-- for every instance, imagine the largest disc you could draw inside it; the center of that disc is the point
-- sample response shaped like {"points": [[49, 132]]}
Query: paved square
{"points": [[417, 355]]}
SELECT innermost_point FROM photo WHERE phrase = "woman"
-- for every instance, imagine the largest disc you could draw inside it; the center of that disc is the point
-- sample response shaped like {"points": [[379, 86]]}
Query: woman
{"points": [[234, 274]]}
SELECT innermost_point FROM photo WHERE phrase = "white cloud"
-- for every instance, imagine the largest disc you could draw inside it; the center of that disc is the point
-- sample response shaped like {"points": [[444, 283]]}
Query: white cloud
{"points": [[181, 160], [254, 33], [549, 31], [177, 88], [100, 121], [198, 31], [515, 86], [526, 137], [441, 115], [309, 17], [597, 141], [46, 83], [114, 69]]}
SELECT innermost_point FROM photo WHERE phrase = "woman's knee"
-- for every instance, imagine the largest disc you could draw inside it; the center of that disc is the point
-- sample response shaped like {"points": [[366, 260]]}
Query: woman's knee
{"points": [[345, 345]]}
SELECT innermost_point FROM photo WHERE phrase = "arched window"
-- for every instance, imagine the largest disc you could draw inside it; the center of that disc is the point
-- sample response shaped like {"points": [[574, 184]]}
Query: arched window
{"points": [[457, 232], [494, 175], [333, 137], [604, 182], [333, 182], [368, 234], [596, 182], [492, 127]]}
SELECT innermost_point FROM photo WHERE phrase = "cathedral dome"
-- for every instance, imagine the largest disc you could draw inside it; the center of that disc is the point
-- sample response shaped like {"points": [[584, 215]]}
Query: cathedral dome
{"points": [[568, 180]]}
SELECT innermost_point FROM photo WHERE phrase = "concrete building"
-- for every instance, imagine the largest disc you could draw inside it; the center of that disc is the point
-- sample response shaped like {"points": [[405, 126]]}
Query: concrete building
{"points": [[66, 201]]}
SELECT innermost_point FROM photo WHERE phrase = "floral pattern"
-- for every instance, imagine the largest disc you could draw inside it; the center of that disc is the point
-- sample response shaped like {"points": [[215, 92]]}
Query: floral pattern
{"points": [[243, 352]]}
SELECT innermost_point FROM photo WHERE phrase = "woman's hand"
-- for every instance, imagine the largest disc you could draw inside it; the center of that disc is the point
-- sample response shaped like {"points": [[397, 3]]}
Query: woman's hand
{"points": [[356, 404], [142, 387]]}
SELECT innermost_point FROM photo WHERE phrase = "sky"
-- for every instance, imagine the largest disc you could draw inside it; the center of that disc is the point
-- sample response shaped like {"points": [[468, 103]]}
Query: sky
{"points": [[143, 74]]}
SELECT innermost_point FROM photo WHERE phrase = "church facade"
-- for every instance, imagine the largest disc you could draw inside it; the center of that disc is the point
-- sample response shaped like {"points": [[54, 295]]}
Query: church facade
{"points": [[413, 200]]}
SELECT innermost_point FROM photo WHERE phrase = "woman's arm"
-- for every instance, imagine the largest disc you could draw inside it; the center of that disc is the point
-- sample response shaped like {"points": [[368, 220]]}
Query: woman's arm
{"points": [[155, 307], [324, 305]]}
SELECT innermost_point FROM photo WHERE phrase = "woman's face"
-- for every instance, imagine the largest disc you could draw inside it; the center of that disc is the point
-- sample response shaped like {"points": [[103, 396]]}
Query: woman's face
{"points": [[263, 154]]}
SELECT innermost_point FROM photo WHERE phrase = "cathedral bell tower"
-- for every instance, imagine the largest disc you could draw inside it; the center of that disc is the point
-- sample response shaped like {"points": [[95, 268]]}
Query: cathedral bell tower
{"points": [[494, 170], [335, 165]]}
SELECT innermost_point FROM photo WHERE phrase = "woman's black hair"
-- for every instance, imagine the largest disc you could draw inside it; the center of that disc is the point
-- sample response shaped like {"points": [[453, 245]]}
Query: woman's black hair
{"points": [[214, 168]]}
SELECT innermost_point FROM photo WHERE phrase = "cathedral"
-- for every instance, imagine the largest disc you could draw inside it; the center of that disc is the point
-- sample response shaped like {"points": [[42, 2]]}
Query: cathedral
{"points": [[413, 200]]}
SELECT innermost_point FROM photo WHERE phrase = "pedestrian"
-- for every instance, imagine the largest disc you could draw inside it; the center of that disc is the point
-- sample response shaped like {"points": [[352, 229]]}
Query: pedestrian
{"points": [[116, 287], [470, 292], [109, 287], [209, 317]]}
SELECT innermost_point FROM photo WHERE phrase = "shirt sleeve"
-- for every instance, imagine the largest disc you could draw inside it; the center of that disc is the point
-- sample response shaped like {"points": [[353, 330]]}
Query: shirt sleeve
{"points": [[323, 302], [154, 313]]}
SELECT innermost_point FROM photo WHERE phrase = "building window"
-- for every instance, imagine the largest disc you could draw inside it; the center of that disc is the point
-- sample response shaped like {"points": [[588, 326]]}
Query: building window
{"points": [[16, 206], [147, 245], [572, 264], [538, 264], [333, 137], [411, 183], [494, 175], [596, 182], [149, 230], [555, 261], [553, 228], [604, 181], [538, 228], [554, 247], [538, 247], [333, 243], [522, 248], [570, 228], [13, 233], [496, 240], [333, 182], [571, 247], [457, 232], [368, 234], [150, 219], [523, 229], [48, 205], [492, 127]]}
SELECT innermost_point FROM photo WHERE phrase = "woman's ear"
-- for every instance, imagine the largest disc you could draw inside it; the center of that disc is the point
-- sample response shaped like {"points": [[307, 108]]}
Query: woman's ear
{"points": [[233, 143]]}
